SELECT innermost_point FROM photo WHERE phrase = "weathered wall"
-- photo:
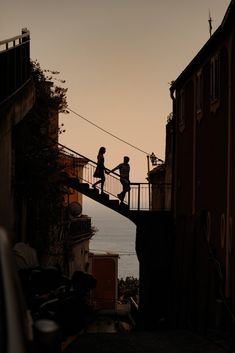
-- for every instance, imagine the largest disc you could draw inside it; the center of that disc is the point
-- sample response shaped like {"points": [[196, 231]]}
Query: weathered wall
{"points": [[11, 113]]}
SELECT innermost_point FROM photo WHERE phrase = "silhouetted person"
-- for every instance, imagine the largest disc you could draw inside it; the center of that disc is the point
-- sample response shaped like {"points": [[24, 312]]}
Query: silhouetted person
{"points": [[124, 171], [100, 169]]}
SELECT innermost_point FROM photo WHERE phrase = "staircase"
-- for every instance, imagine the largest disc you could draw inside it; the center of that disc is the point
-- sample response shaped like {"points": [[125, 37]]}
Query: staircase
{"points": [[104, 199], [137, 199]]}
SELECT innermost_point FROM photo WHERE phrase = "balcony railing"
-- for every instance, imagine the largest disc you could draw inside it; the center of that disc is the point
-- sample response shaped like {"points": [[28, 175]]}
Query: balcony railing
{"points": [[80, 228], [14, 64]]}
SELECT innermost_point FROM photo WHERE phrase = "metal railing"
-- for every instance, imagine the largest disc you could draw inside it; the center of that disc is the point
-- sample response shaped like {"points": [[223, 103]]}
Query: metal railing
{"points": [[14, 64], [80, 228], [138, 198]]}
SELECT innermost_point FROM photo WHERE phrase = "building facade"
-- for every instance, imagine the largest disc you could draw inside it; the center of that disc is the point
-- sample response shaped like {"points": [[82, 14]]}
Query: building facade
{"points": [[17, 97], [79, 225], [203, 198], [33, 205]]}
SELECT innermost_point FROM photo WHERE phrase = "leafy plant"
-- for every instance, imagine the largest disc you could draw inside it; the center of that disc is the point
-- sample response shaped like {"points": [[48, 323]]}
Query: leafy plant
{"points": [[47, 91], [38, 166]]}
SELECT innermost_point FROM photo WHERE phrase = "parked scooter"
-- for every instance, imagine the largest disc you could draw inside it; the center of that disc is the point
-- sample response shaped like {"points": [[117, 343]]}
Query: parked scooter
{"points": [[51, 295]]}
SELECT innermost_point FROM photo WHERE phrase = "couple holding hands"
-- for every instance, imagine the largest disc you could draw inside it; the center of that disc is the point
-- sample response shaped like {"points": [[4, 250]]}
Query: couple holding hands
{"points": [[124, 171]]}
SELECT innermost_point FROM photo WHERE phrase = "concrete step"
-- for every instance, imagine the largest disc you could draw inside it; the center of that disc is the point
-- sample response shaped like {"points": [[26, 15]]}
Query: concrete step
{"points": [[94, 192], [104, 197], [114, 203], [83, 187]]}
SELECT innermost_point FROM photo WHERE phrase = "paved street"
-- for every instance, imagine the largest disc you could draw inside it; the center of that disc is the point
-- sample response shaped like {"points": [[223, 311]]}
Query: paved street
{"points": [[144, 342]]}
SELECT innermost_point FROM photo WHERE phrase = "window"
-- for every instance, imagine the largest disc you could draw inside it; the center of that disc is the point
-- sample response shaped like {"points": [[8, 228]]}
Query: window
{"points": [[3, 323], [215, 78], [199, 92], [182, 111]]}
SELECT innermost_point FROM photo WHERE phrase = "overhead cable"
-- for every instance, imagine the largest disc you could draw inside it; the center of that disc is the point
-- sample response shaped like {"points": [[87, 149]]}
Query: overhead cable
{"points": [[107, 132]]}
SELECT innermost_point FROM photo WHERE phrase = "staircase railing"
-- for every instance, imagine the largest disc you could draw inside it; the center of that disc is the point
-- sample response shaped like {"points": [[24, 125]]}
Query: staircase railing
{"points": [[138, 198]]}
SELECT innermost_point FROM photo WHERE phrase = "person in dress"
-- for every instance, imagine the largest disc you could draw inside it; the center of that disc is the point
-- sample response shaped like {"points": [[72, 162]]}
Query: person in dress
{"points": [[100, 169]]}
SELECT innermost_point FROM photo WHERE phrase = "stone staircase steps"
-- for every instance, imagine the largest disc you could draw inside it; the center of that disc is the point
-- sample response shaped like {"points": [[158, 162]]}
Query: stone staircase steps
{"points": [[94, 193]]}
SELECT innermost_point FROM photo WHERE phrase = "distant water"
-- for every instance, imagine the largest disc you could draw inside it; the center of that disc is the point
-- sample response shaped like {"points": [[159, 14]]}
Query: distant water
{"points": [[115, 234]]}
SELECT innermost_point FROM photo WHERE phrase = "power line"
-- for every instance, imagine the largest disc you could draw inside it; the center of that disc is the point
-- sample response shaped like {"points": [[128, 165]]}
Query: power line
{"points": [[107, 132]]}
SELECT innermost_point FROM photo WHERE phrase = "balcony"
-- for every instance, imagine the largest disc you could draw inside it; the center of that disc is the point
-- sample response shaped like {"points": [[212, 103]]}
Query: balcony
{"points": [[14, 64], [80, 228]]}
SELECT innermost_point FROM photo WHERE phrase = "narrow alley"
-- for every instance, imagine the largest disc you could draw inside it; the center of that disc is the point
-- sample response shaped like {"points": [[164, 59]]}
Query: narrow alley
{"points": [[161, 341]]}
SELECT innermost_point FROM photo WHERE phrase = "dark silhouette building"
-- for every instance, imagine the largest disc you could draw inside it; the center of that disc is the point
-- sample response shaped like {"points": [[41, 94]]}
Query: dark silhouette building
{"points": [[203, 195]]}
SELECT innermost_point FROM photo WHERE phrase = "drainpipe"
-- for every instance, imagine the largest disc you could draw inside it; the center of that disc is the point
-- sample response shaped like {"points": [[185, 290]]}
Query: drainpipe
{"points": [[149, 187], [172, 92]]}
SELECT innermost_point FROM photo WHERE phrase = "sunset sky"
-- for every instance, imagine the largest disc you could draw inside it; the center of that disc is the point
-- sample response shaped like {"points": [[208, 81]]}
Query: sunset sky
{"points": [[118, 58]]}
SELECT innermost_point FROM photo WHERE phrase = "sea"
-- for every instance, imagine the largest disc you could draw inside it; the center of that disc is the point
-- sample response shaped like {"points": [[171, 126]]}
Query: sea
{"points": [[114, 234]]}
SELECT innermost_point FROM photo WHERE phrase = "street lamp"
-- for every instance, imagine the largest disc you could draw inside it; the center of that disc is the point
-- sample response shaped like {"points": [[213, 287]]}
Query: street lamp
{"points": [[153, 159]]}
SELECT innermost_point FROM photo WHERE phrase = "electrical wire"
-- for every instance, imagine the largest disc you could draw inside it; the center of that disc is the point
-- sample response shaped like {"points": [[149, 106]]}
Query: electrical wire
{"points": [[109, 133]]}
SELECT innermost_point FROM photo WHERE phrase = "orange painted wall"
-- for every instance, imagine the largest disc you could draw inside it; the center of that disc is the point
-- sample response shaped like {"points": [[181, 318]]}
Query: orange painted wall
{"points": [[105, 269]]}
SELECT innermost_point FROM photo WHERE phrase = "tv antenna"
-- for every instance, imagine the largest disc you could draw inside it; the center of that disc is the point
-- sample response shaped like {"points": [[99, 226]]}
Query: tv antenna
{"points": [[210, 23]]}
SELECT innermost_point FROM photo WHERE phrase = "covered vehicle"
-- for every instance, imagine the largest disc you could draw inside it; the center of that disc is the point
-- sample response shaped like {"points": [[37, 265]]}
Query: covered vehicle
{"points": [[16, 325]]}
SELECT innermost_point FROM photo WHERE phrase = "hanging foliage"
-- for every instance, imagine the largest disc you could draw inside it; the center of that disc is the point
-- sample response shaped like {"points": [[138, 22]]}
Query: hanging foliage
{"points": [[38, 166]]}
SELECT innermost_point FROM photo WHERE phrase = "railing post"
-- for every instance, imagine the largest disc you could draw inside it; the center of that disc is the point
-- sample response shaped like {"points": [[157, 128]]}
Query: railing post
{"points": [[138, 197], [149, 182]]}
